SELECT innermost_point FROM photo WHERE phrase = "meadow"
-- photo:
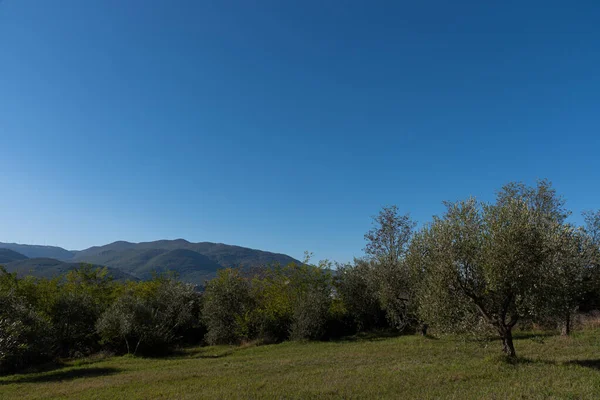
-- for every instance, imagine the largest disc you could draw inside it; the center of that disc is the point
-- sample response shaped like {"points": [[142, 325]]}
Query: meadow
{"points": [[360, 367]]}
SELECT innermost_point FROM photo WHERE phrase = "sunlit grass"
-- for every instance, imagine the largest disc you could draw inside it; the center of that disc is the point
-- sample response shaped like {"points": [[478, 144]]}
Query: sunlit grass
{"points": [[401, 367]]}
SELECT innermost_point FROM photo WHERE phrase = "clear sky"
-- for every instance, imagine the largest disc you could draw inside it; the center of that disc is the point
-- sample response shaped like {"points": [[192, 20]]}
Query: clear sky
{"points": [[285, 125]]}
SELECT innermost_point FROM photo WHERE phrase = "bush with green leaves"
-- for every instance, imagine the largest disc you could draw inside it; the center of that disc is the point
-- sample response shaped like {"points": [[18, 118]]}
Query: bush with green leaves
{"points": [[25, 336], [79, 300], [292, 302], [151, 319], [271, 316], [73, 317], [310, 314], [357, 288], [227, 306]]}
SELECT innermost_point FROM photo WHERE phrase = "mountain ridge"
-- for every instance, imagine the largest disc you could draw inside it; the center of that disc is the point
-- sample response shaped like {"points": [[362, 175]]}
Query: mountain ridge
{"points": [[191, 262], [39, 251]]}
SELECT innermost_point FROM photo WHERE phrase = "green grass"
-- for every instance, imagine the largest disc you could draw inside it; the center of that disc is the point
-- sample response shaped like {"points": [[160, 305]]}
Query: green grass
{"points": [[402, 367]]}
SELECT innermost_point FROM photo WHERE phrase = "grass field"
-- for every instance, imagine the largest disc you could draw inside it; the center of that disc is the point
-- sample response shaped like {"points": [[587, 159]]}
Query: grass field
{"points": [[400, 367]]}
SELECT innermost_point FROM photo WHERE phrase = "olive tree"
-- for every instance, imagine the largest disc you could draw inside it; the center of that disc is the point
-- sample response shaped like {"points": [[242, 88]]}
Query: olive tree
{"points": [[227, 306], [566, 248], [567, 278], [482, 263], [310, 288], [387, 245], [592, 232]]}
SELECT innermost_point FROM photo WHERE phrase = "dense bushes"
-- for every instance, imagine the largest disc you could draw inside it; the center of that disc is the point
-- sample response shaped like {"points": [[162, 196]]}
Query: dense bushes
{"points": [[73, 316], [151, 318], [85, 311], [357, 286], [227, 304], [25, 335], [279, 303]]}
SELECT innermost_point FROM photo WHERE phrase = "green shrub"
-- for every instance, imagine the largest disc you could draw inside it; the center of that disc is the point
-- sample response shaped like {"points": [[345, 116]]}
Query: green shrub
{"points": [[25, 336], [153, 321], [358, 287], [73, 317], [227, 306], [310, 315]]}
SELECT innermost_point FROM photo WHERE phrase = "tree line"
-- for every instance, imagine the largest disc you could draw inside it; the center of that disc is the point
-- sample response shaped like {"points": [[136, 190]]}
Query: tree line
{"points": [[479, 268]]}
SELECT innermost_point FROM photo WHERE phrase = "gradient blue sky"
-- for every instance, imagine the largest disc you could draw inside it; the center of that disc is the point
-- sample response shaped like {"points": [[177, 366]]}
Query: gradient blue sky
{"points": [[285, 125]]}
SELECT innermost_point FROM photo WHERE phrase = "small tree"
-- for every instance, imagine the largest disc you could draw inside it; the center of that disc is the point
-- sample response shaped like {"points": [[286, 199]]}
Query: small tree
{"points": [[273, 297], [226, 308], [358, 291], [310, 289], [591, 232], [567, 278], [387, 245]]}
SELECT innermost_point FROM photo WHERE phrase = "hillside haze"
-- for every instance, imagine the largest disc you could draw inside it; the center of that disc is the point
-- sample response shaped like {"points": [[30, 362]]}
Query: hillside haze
{"points": [[192, 262], [36, 251], [7, 255]]}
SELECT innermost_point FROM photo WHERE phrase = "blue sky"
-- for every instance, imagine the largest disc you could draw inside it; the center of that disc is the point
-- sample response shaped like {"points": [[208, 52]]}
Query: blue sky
{"points": [[285, 125]]}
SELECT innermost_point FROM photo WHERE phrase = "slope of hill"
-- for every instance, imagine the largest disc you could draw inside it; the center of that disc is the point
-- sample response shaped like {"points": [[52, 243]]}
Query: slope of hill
{"points": [[223, 254], [7, 256], [50, 268], [189, 265], [193, 262], [35, 251]]}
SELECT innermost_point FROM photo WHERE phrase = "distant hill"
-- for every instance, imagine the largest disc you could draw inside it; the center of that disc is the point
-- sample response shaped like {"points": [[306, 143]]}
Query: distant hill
{"points": [[7, 256], [50, 268], [35, 251], [192, 262]]}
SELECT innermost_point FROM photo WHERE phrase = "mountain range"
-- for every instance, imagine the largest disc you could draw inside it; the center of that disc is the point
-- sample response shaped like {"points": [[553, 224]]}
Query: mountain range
{"points": [[192, 262]]}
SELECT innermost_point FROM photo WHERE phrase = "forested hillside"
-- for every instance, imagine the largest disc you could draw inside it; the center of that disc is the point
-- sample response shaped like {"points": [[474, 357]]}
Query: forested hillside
{"points": [[191, 262]]}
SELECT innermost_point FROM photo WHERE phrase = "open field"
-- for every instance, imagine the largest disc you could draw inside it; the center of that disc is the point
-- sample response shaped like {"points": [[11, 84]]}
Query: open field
{"points": [[400, 367]]}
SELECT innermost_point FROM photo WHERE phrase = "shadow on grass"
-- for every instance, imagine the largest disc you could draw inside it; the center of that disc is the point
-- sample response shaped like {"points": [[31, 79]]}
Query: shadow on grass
{"points": [[502, 359], [61, 375], [531, 335], [369, 336], [219, 355], [514, 361], [593, 364], [200, 352]]}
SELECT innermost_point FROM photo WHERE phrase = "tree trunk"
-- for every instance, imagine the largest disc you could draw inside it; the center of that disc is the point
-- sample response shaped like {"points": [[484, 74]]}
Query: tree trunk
{"points": [[566, 328], [507, 342], [136, 346]]}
